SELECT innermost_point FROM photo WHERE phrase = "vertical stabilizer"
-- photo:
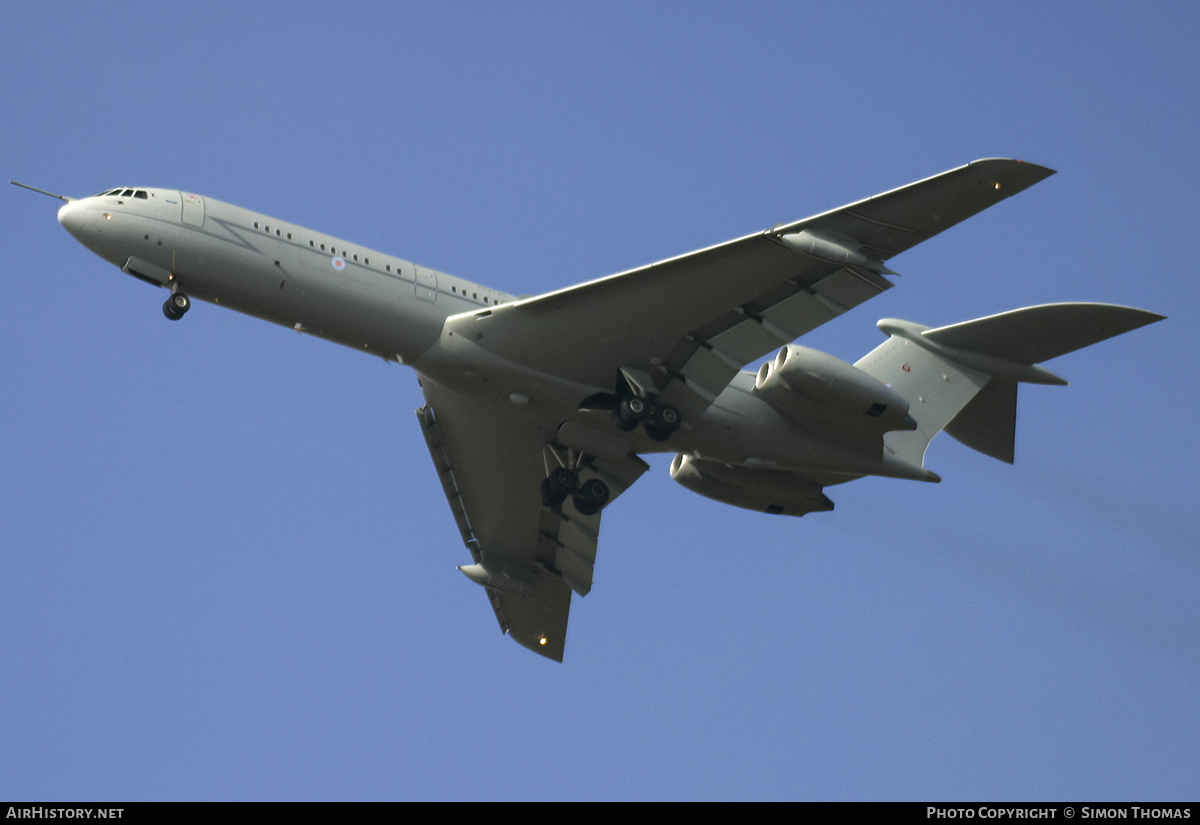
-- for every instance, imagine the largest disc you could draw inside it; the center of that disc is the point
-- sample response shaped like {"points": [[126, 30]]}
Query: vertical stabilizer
{"points": [[963, 378]]}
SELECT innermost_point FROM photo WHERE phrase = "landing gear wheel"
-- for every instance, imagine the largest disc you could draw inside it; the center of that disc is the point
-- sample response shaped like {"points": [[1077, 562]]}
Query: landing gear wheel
{"points": [[666, 418], [585, 507], [629, 412], [663, 421], [176, 306], [562, 478], [558, 485], [550, 497], [594, 491], [657, 433]]}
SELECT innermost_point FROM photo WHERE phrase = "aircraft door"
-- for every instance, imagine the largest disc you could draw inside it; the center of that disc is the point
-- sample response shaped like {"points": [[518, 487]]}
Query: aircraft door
{"points": [[426, 284], [193, 209]]}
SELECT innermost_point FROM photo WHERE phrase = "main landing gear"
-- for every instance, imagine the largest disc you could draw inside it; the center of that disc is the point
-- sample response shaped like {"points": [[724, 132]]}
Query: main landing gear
{"points": [[634, 403], [177, 306], [563, 483], [660, 419]]}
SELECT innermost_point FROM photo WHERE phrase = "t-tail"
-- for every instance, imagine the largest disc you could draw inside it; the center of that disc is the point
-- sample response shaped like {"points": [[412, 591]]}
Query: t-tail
{"points": [[963, 378]]}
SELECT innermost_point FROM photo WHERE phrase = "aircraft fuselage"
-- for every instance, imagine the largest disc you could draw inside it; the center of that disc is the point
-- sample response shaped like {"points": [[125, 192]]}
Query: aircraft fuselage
{"points": [[395, 309]]}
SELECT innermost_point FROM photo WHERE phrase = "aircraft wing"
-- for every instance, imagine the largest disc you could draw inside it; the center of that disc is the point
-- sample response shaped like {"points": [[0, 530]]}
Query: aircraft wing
{"points": [[692, 322], [529, 557]]}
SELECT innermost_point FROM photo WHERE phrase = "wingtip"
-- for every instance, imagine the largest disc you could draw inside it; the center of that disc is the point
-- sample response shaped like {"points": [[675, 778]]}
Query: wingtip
{"points": [[1007, 176], [1033, 171], [540, 643]]}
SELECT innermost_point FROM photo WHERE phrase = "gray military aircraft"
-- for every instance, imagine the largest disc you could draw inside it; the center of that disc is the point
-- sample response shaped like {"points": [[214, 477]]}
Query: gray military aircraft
{"points": [[538, 407]]}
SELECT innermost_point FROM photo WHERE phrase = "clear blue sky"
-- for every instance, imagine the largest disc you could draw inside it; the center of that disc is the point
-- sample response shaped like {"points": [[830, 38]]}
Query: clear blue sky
{"points": [[228, 570]]}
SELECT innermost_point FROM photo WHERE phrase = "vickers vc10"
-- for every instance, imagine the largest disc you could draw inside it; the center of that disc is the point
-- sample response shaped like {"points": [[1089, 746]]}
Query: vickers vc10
{"points": [[537, 408]]}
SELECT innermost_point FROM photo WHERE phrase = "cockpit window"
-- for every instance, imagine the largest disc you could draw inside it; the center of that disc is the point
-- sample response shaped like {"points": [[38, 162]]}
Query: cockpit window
{"points": [[141, 194]]}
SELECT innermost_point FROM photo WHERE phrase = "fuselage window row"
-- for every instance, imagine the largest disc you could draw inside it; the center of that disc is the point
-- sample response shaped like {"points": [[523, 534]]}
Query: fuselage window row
{"points": [[354, 256]]}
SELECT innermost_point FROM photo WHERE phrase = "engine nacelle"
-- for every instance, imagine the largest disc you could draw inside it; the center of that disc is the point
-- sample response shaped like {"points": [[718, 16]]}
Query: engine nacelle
{"points": [[762, 490], [803, 383]]}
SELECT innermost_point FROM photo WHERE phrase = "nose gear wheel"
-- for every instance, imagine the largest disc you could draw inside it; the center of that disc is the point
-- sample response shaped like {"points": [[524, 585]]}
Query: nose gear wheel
{"points": [[177, 306]]}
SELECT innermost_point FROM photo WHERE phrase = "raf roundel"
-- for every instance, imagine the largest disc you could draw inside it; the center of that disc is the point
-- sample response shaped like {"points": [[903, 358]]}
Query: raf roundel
{"points": [[339, 263]]}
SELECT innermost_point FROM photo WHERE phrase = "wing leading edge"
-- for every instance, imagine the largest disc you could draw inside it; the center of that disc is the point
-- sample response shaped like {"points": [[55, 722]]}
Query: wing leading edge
{"points": [[692, 322]]}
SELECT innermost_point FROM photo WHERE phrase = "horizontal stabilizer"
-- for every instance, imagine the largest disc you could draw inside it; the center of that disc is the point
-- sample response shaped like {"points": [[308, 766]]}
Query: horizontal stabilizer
{"points": [[963, 378], [1036, 334]]}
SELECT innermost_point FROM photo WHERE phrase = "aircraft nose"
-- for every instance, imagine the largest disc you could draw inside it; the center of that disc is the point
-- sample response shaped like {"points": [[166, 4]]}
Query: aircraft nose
{"points": [[70, 215]]}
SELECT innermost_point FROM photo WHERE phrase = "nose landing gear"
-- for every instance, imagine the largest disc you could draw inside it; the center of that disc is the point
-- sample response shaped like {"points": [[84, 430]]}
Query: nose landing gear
{"points": [[177, 306]]}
